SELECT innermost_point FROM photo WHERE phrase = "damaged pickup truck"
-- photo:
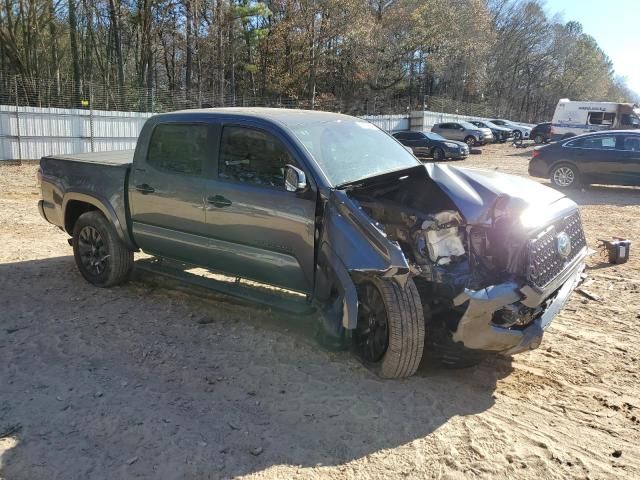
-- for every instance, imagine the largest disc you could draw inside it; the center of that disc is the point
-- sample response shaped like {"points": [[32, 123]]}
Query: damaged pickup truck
{"points": [[395, 255]]}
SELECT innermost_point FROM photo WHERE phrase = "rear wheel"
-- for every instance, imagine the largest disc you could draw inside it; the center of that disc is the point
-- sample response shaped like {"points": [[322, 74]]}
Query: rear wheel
{"points": [[564, 176], [389, 336], [538, 139], [100, 255], [438, 154], [470, 140]]}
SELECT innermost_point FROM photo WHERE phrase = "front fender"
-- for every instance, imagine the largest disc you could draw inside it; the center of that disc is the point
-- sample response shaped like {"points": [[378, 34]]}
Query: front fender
{"points": [[352, 246]]}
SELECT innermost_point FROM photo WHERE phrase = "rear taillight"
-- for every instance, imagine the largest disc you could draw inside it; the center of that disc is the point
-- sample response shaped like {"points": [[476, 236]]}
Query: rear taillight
{"points": [[39, 177], [535, 153]]}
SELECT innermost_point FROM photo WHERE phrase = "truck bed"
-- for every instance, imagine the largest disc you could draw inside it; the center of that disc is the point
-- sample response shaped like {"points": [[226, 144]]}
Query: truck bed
{"points": [[98, 179], [115, 158]]}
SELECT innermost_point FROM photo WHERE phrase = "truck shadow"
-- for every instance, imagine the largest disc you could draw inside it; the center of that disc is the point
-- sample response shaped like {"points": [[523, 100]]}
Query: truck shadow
{"points": [[144, 381]]}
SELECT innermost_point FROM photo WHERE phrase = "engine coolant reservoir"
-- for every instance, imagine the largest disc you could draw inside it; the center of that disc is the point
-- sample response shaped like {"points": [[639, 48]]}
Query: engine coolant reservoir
{"points": [[443, 237]]}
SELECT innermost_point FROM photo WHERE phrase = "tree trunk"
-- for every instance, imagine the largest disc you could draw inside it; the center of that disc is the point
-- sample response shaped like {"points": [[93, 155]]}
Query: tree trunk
{"points": [[75, 60]]}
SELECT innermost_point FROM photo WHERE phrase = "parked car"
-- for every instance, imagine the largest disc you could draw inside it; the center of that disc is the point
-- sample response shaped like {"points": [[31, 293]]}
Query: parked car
{"points": [[500, 134], [383, 246], [429, 144], [464, 131], [573, 118], [541, 133], [611, 157], [520, 132]]}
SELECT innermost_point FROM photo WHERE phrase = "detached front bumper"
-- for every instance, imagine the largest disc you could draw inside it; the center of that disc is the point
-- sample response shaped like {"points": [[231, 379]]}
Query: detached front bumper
{"points": [[477, 331]]}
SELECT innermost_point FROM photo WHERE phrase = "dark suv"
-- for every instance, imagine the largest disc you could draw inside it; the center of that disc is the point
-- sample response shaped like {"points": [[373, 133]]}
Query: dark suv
{"points": [[429, 144], [541, 133]]}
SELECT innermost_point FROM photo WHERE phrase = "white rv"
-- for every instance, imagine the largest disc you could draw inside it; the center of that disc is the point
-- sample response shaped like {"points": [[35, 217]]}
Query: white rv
{"points": [[573, 118]]}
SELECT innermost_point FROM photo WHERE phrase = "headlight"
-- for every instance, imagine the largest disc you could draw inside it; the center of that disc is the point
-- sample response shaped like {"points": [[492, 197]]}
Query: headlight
{"points": [[450, 145], [534, 217]]}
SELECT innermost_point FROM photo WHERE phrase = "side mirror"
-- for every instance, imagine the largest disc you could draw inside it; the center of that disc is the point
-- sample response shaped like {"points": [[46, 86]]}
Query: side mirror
{"points": [[294, 179]]}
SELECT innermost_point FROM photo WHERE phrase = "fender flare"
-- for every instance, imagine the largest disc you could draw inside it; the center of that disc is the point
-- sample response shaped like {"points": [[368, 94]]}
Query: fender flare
{"points": [[332, 267], [105, 207]]}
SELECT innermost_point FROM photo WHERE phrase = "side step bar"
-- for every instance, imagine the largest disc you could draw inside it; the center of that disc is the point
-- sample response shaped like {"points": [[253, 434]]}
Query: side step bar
{"points": [[276, 299]]}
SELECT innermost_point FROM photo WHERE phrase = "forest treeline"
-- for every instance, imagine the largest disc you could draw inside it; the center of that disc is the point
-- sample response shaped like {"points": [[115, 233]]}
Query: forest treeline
{"points": [[364, 56]]}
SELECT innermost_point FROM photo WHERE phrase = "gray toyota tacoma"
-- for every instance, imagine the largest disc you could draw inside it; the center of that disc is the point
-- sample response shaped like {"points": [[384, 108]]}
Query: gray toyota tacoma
{"points": [[395, 256]]}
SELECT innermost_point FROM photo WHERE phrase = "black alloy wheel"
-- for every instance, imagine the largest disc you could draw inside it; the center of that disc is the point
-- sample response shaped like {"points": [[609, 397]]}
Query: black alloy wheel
{"points": [[438, 154], [93, 251], [372, 333]]}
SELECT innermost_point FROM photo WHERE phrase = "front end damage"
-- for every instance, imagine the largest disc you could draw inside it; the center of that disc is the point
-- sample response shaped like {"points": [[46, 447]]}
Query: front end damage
{"points": [[494, 257]]}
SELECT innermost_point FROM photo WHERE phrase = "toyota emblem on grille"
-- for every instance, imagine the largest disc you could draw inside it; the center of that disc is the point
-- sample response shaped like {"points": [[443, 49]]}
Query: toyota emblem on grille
{"points": [[563, 244]]}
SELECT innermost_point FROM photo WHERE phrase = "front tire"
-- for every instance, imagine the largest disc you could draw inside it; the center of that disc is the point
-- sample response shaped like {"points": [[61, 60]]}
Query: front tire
{"points": [[102, 258], [438, 154], [564, 176], [517, 135], [470, 140], [538, 139], [389, 336]]}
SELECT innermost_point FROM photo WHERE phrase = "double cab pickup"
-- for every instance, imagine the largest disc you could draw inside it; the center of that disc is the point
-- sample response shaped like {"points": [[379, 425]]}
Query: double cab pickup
{"points": [[396, 256]]}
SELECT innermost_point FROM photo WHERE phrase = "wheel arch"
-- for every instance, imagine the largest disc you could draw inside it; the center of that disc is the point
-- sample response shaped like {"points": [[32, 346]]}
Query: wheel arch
{"points": [[571, 164], [557, 163], [75, 204]]}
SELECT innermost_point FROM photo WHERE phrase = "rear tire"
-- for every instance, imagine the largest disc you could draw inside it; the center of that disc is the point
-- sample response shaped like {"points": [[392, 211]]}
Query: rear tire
{"points": [[438, 154], [564, 176], [389, 337], [539, 139], [102, 258]]}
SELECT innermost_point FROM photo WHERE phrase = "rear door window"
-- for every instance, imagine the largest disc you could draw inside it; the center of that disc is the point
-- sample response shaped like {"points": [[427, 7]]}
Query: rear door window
{"points": [[181, 148], [252, 156], [605, 142], [631, 143]]}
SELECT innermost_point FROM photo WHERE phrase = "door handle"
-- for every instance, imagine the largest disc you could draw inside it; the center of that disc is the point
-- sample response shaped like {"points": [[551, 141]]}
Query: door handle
{"points": [[219, 201], [145, 189]]}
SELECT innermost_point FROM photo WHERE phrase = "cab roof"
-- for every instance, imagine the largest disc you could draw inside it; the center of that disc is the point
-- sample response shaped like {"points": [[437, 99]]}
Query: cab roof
{"points": [[287, 116]]}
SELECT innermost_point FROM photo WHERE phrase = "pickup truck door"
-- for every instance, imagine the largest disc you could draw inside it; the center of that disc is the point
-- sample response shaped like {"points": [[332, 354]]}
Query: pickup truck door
{"points": [[257, 229], [166, 191]]}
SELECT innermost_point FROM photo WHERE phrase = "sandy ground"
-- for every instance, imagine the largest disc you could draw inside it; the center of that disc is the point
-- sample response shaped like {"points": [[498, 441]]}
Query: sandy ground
{"points": [[145, 381]]}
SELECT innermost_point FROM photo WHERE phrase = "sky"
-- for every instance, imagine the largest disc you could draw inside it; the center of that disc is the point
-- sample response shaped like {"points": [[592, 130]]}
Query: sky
{"points": [[615, 24]]}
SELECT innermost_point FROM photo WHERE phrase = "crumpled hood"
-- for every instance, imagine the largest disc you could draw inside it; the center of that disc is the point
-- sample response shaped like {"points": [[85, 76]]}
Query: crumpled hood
{"points": [[475, 192]]}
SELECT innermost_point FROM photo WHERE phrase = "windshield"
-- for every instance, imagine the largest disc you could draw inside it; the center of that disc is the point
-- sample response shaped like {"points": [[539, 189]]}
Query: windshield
{"points": [[350, 150], [434, 136]]}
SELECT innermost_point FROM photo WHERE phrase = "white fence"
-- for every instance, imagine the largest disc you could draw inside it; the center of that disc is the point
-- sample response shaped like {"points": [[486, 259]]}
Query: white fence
{"points": [[28, 133], [389, 123]]}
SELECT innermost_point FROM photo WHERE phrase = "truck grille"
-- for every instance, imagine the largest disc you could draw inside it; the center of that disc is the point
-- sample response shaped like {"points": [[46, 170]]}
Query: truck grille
{"points": [[545, 263]]}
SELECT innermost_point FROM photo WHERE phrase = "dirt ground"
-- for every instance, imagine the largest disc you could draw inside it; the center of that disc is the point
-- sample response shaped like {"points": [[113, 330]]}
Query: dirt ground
{"points": [[145, 381]]}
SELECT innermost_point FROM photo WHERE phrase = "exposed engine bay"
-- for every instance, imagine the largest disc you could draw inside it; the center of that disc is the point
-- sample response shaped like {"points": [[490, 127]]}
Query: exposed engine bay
{"points": [[438, 242]]}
